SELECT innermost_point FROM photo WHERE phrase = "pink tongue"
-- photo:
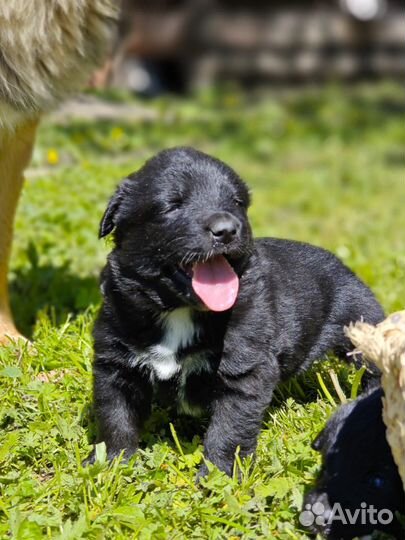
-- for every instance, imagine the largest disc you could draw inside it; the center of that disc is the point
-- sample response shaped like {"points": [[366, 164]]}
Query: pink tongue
{"points": [[216, 283]]}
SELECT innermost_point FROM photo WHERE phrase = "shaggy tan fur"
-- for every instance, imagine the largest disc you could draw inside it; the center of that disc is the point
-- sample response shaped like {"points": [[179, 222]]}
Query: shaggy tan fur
{"points": [[47, 50], [384, 345]]}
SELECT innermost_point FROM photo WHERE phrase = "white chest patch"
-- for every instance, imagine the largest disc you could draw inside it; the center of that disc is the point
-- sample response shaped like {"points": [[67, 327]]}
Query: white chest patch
{"points": [[179, 331]]}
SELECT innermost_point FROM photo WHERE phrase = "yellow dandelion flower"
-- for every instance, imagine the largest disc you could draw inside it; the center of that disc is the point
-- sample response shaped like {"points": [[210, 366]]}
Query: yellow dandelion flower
{"points": [[52, 156]]}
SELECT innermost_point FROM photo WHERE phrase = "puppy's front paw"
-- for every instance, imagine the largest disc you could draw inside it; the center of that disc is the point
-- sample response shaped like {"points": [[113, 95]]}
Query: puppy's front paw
{"points": [[101, 454], [226, 467], [90, 460]]}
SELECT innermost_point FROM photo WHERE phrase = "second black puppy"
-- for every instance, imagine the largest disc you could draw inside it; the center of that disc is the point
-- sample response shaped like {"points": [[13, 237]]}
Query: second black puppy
{"points": [[194, 304], [359, 477]]}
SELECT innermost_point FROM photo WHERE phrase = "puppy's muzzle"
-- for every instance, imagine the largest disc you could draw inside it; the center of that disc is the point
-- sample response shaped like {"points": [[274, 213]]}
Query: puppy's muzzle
{"points": [[224, 227]]}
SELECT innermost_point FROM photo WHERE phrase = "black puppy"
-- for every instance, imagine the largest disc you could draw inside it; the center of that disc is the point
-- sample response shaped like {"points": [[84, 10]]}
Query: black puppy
{"points": [[358, 475], [193, 304]]}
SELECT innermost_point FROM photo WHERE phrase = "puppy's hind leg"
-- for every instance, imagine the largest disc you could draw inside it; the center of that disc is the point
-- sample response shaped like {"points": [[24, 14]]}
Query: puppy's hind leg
{"points": [[15, 153], [372, 314]]}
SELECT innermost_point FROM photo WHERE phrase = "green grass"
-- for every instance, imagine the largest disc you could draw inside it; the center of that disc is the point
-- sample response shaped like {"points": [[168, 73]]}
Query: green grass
{"points": [[324, 166]]}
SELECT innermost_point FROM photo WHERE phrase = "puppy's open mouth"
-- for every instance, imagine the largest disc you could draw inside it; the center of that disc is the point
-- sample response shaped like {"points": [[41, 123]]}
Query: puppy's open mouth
{"points": [[214, 281]]}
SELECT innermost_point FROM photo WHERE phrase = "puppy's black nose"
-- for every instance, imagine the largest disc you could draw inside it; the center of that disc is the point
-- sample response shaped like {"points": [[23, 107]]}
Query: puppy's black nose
{"points": [[224, 227]]}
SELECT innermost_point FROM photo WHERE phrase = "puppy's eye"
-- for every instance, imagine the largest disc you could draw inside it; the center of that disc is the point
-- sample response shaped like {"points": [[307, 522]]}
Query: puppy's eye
{"points": [[376, 481], [174, 204], [238, 201]]}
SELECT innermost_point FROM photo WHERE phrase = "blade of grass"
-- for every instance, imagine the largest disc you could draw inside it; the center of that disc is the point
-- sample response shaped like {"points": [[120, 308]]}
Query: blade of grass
{"points": [[176, 439], [328, 395], [356, 382], [338, 388]]}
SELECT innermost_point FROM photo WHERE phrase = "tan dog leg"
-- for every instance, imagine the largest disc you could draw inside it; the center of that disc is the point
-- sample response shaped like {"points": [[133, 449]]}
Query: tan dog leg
{"points": [[15, 153]]}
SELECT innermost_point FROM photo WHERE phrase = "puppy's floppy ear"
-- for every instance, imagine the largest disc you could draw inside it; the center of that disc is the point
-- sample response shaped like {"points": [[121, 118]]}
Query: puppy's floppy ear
{"points": [[320, 441], [109, 219]]}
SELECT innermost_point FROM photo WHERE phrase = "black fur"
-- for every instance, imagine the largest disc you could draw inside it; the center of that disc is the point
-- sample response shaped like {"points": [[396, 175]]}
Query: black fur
{"points": [[358, 467], [293, 302]]}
